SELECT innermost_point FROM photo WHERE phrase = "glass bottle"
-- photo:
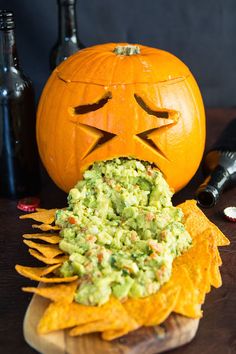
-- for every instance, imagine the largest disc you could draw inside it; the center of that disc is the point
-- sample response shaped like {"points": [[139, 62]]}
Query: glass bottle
{"points": [[220, 168], [68, 42], [19, 168]]}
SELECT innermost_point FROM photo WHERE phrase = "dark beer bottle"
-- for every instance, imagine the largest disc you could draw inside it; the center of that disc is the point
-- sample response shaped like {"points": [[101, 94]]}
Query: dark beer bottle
{"points": [[68, 42], [19, 169], [220, 168]]}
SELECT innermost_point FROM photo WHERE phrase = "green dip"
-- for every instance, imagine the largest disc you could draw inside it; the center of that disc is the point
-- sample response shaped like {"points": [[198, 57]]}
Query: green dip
{"points": [[121, 231]]}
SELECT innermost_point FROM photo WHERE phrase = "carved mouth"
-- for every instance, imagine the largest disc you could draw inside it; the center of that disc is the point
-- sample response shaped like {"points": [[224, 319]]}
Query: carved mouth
{"points": [[146, 140], [104, 137]]}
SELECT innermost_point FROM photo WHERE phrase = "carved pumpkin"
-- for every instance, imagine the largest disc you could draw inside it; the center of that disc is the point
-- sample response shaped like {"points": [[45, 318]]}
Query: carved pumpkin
{"points": [[113, 100]]}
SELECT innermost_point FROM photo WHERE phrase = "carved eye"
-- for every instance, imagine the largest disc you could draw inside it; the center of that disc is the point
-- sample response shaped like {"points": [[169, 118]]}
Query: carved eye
{"points": [[83, 109], [101, 136], [144, 106]]}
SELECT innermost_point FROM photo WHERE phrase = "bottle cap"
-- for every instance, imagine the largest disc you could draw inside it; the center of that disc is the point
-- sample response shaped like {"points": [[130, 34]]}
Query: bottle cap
{"points": [[28, 204], [230, 213]]}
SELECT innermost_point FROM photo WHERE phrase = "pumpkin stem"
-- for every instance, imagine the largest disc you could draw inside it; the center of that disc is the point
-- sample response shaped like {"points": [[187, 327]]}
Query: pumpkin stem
{"points": [[127, 50]]}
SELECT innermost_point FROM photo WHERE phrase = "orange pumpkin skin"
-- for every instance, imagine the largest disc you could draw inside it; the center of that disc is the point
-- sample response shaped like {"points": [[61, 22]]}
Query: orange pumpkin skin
{"points": [[98, 105]]}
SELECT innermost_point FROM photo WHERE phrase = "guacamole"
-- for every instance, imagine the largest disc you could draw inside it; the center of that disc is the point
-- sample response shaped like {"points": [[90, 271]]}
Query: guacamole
{"points": [[121, 231]]}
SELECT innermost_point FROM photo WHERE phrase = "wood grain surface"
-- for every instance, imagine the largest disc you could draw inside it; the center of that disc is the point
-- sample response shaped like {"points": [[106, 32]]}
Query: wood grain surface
{"points": [[217, 330], [174, 332]]}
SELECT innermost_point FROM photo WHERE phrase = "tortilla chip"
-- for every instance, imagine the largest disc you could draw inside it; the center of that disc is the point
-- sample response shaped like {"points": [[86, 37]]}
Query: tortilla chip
{"points": [[154, 309], [49, 238], [113, 334], [200, 228], [38, 271], [164, 305], [218, 258], [187, 303], [48, 251], [44, 216], [35, 274], [61, 315], [196, 223], [45, 227], [98, 326], [60, 292], [115, 324], [215, 277], [49, 269], [40, 257], [197, 261]]}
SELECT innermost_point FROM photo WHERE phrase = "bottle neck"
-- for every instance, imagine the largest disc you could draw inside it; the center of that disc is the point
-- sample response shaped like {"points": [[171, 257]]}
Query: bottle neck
{"points": [[67, 20], [8, 52], [209, 191]]}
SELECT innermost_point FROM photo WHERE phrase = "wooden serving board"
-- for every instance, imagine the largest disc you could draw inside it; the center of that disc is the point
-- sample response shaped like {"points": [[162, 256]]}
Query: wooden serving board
{"points": [[174, 332]]}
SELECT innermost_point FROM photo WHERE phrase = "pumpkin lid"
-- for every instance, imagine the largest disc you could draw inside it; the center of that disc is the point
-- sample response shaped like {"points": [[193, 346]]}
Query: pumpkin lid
{"points": [[117, 64]]}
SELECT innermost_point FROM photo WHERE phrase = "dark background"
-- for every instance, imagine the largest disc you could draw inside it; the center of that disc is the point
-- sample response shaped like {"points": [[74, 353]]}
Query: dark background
{"points": [[202, 33]]}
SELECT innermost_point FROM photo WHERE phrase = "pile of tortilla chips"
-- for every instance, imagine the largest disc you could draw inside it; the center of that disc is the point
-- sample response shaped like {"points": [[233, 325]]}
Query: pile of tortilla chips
{"points": [[194, 272]]}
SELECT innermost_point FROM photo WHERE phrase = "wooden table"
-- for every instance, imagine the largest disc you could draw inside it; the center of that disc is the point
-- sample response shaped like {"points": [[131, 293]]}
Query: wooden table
{"points": [[217, 331]]}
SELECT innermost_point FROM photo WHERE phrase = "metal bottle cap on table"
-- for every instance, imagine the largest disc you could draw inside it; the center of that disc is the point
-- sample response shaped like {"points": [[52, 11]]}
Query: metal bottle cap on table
{"points": [[230, 213], [28, 204]]}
